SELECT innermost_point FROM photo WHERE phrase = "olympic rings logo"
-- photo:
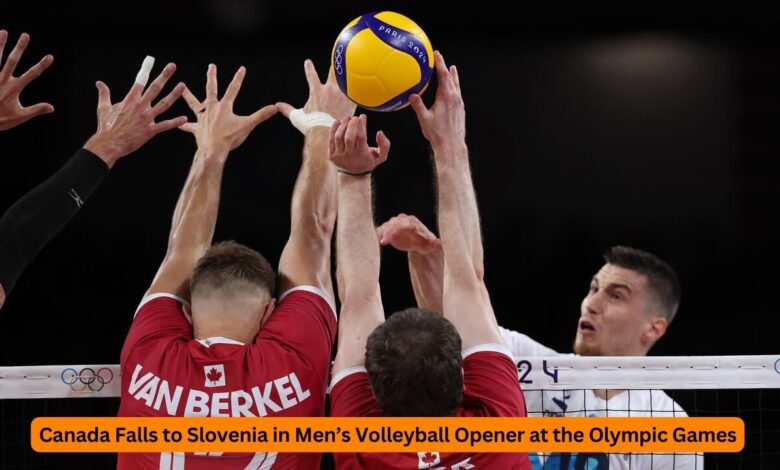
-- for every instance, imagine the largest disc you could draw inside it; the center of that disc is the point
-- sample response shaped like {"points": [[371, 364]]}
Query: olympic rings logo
{"points": [[777, 366], [87, 378], [338, 59]]}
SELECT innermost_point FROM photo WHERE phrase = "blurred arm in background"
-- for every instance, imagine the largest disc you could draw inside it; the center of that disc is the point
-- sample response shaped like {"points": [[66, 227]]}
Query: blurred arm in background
{"points": [[424, 252]]}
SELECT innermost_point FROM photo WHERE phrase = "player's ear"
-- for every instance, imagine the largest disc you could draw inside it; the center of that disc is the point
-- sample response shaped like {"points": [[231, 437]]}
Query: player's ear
{"points": [[268, 310], [187, 310], [654, 329]]}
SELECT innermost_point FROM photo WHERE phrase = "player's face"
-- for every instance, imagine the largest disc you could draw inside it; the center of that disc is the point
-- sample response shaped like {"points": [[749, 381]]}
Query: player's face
{"points": [[2, 296], [613, 315]]}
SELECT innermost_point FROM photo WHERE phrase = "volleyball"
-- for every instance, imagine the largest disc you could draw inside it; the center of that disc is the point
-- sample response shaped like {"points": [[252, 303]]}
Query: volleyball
{"points": [[381, 58]]}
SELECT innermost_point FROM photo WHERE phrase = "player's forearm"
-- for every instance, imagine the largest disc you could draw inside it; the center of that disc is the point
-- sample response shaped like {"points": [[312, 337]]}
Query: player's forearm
{"points": [[198, 206], [427, 273], [43, 212], [357, 255], [357, 247], [183, 196], [313, 208], [458, 214]]}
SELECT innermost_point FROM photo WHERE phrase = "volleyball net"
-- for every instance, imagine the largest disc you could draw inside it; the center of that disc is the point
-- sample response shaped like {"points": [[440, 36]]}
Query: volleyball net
{"points": [[747, 387]]}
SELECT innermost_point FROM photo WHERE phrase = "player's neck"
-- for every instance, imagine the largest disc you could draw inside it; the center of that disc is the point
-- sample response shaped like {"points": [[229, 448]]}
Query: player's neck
{"points": [[243, 333]]}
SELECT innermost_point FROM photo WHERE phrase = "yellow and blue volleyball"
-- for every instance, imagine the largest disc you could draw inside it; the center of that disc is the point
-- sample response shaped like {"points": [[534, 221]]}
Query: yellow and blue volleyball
{"points": [[381, 58]]}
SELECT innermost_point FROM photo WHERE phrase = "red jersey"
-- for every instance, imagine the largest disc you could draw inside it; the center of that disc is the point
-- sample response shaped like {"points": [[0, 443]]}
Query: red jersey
{"points": [[490, 389], [284, 372]]}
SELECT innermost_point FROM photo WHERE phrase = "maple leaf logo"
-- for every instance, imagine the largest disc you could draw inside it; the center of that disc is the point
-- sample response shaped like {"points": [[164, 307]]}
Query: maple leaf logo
{"points": [[214, 375], [428, 458]]}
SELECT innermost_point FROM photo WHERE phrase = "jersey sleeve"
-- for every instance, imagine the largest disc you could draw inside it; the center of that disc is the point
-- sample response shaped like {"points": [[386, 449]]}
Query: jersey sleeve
{"points": [[304, 321], [523, 346], [158, 316], [490, 382], [351, 395]]}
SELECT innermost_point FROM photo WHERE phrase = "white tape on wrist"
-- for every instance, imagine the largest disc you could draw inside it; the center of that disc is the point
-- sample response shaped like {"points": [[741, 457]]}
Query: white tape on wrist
{"points": [[146, 68], [305, 122]]}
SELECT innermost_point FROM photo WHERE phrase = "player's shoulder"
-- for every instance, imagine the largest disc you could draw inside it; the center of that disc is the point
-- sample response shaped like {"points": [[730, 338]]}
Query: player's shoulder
{"points": [[298, 295], [161, 300], [350, 376], [487, 352]]}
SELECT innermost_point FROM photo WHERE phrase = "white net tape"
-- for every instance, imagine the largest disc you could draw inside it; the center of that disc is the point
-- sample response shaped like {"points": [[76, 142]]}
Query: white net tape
{"points": [[535, 373], [76, 381]]}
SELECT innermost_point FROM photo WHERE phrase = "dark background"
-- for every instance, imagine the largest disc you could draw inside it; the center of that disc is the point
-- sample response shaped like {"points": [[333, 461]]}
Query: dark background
{"points": [[647, 123]]}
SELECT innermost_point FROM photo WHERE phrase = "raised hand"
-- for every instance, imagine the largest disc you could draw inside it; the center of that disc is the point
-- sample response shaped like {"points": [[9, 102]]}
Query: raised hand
{"points": [[12, 112], [324, 98], [218, 130], [445, 122], [349, 150], [406, 233], [126, 126]]}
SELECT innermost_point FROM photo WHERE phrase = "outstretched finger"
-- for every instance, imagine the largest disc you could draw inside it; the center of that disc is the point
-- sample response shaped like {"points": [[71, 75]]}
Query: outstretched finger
{"points": [[442, 74], [3, 39], [311, 75], [285, 108], [165, 103], [455, 76], [263, 114], [141, 78], [36, 70], [164, 126], [195, 105], [235, 85], [157, 85], [104, 96], [15, 55], [211, 83], [188, 127], [331, 81], [30, 112]]}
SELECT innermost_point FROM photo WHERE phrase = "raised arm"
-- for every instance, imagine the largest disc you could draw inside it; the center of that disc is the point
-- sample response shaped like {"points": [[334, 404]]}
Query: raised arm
{"points": [[357, 250], [12, 112], [306, 256], [217, 132], [122, 128], [424, 252], [466, 302]]}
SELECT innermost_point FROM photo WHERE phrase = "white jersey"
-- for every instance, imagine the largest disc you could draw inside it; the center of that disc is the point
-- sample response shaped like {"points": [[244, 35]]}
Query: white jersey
{"points": [[578, 403]]}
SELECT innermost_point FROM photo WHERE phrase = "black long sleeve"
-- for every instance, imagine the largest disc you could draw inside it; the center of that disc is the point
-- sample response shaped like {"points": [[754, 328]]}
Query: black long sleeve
{"points": [[38, 216]]}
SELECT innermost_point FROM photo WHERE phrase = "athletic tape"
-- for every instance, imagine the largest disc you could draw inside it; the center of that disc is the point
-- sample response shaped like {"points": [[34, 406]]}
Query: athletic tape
{"points": [[146, 68], [305, 122]]}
